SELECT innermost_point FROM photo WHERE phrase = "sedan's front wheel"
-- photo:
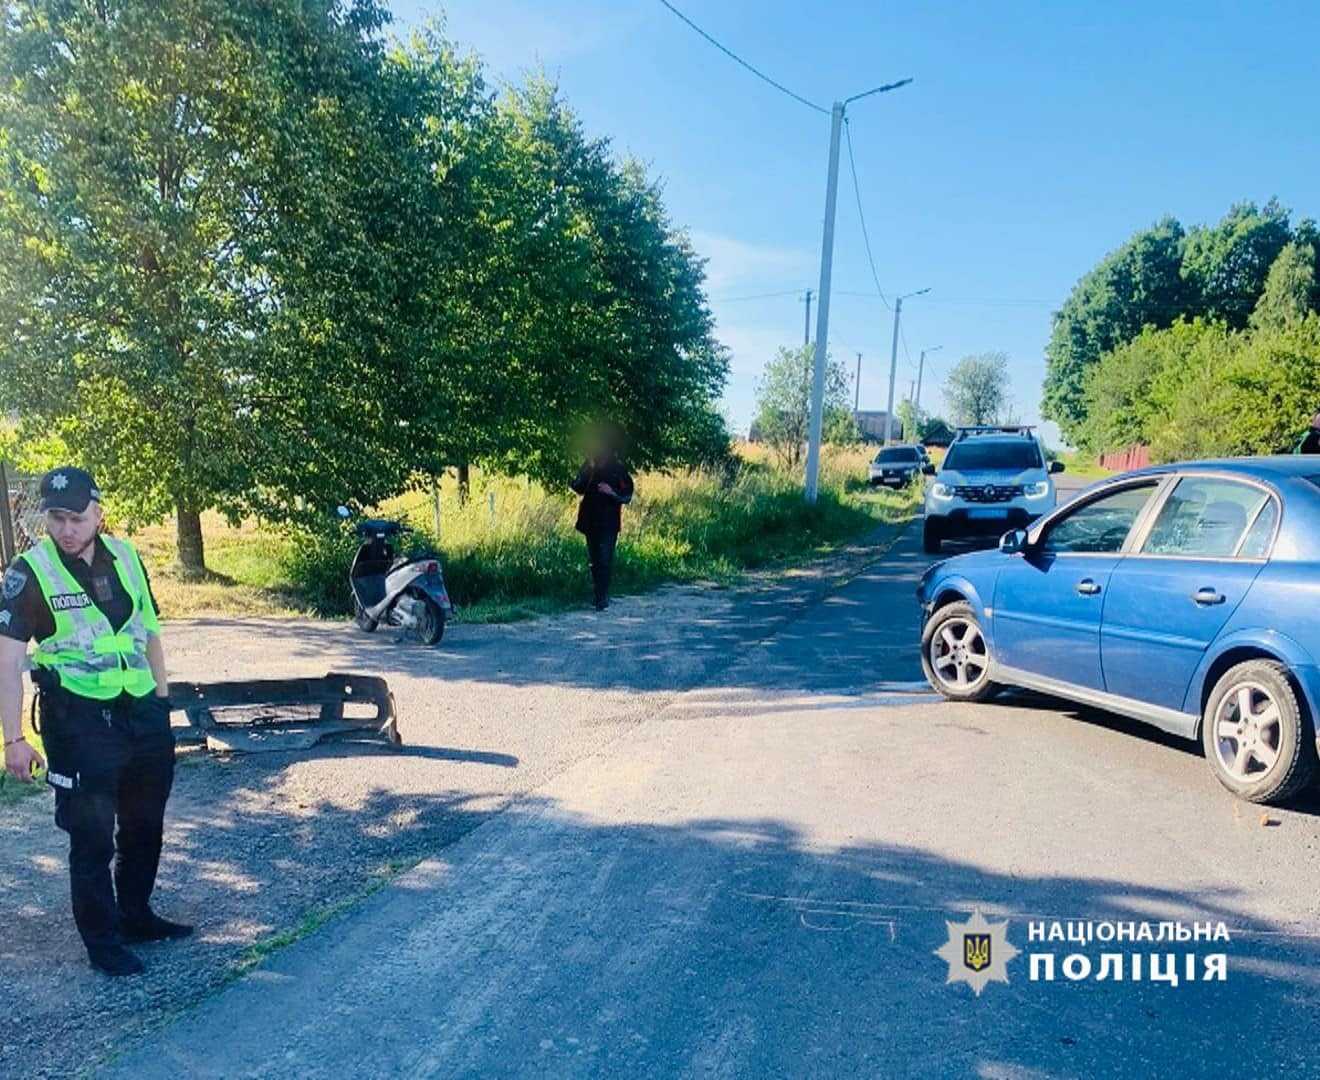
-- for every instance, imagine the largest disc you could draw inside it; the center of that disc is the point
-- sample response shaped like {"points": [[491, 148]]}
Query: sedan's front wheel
{"points": [[1256, 735], [955, 655]]}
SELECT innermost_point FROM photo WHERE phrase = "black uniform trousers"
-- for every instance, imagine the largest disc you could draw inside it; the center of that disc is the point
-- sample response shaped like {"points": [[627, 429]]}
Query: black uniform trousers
{"points": [[111, 764], [600, 552]]}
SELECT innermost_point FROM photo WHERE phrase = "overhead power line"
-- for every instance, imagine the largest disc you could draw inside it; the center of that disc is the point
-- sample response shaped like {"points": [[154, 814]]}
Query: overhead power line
{"points": [[743, 63], [757, 296], [861, 215]]}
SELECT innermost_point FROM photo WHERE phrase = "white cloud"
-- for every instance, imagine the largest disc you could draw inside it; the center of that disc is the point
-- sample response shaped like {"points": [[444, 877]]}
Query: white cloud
{"points": [[738, 263]]}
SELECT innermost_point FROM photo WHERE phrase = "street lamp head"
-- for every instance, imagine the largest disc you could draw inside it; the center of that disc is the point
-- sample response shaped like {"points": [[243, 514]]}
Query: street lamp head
{"points": [[878, 90]]}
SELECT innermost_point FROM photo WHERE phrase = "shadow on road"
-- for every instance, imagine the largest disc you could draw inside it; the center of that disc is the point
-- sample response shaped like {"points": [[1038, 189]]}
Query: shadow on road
{"points": [[731, 947]]}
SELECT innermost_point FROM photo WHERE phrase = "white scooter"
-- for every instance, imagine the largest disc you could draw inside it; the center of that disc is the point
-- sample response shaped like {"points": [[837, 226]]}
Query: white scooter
{"points": [[392, 590]]}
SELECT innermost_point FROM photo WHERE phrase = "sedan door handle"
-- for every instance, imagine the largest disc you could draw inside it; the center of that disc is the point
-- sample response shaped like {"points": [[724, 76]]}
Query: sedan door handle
{"points": [[1087, 587], [1207, 597]]}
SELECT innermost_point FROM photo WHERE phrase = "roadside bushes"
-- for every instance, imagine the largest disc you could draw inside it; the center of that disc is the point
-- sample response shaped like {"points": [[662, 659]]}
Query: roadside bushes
{"points": [[1200, 389]]}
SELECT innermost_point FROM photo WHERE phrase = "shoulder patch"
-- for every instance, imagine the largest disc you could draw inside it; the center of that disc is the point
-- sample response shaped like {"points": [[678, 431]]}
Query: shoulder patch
{"points": [[5, 616], [13, 583]]}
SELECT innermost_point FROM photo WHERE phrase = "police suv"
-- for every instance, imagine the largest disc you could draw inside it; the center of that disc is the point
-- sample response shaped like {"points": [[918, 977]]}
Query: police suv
{"points": [[993, 479]]}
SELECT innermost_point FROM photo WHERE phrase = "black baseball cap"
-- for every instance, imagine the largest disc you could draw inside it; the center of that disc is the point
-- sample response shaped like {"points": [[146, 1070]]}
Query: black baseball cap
{"points": [[68, 488]]}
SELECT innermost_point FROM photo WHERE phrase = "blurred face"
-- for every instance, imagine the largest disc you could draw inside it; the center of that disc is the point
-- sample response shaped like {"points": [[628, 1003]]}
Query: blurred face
{"points": [[73, 533]]}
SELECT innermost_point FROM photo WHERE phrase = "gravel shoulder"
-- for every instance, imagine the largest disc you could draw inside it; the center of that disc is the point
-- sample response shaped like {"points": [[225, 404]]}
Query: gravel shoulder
{"points": [[258, 849]]}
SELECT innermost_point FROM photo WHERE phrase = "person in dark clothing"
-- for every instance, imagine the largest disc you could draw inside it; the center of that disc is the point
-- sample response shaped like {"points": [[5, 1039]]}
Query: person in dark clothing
{"points": [[1310, 443], [605, 487], [103, 703]]}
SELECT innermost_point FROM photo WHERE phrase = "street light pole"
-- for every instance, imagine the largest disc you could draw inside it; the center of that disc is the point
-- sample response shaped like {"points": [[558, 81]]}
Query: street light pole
{"points": [[823, 297], [893, 360], [823, 308], [921, 368], [806, 328], [857, 387]]}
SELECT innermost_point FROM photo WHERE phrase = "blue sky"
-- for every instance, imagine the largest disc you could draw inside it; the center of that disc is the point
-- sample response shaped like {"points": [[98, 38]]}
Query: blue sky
{"points": [[1036, 137]]}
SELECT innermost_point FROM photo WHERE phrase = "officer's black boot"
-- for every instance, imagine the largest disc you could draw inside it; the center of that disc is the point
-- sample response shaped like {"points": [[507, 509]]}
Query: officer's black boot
{"points": [[114, 960]]}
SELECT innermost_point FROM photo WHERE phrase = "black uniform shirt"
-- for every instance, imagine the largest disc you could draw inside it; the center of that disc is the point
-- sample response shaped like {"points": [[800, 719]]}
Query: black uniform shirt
{"points": [[25, 615]]}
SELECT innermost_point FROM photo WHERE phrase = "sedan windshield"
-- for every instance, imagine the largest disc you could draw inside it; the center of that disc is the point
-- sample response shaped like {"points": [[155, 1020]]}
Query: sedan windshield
{"points": [[1003, 454], [896, 454]]}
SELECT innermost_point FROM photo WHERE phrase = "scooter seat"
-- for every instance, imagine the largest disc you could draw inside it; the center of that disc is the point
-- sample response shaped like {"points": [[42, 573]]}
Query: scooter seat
{"points": [[378, 527]]}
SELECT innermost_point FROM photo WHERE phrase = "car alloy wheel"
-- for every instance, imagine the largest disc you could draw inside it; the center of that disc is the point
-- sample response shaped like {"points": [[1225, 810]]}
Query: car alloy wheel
{"points": [[1248, 732], [1257, 734], [958, 655]]}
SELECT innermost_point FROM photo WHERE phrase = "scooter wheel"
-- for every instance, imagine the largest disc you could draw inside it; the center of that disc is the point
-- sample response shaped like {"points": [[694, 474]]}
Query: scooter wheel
{"points": [[431, 625], [364, 621]]}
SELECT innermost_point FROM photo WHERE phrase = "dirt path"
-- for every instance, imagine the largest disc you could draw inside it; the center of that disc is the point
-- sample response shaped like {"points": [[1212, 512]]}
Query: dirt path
{"points": [[259, 848]]}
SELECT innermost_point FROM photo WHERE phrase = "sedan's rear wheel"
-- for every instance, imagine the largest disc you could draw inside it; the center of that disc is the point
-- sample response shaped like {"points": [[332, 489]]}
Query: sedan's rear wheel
{"points": [[955, 655], [1257, 737]]}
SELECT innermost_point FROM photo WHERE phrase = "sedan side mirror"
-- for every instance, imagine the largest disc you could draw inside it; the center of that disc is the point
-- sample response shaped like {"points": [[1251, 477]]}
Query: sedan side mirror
{"points": [[1056, 466], [1014, 542], [928, 469]]}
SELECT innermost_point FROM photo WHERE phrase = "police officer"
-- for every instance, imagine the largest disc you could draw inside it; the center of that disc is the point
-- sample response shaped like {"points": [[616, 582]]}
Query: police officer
{"points": [[104, 715]]}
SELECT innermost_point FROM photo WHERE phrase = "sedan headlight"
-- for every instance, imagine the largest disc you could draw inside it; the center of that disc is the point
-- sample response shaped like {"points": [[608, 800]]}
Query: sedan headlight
{"points": [[1037, 490], [941, 491]]}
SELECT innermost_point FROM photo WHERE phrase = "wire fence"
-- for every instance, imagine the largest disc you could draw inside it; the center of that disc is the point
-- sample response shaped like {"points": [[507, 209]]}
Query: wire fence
{"points": [[21, 522]]}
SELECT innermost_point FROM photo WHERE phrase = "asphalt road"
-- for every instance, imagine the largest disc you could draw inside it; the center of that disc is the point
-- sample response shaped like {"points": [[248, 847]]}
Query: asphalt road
{"points": [[753, 880]]}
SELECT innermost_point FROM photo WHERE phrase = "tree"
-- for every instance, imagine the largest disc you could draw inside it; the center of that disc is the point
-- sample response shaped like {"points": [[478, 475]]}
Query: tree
{"points": [[1199, 389], [1138, 284], [977, 388], [783, 400], [251, 260], [1226, 265], [936, 431], [911, 419], [1292, 290], [170, 180]]}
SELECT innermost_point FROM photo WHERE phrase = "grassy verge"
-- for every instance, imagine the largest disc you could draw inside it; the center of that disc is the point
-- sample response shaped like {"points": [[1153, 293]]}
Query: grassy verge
{"points": [[511, 552], [1084, 466]]}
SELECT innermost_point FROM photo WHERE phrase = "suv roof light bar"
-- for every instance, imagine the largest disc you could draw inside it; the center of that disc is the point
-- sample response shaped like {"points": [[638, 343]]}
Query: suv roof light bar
{"points": [[994, 429]]}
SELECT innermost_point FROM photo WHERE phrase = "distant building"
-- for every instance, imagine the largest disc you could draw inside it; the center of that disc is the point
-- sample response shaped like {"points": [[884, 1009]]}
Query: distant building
{"points": [[871, 423]]}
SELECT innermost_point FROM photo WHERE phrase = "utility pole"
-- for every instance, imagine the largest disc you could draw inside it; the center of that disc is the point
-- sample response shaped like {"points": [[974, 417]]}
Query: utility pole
{"points": [[921, 370], [823, 309], [893, 361], [823, 305], [806, 330], [857, 388]]}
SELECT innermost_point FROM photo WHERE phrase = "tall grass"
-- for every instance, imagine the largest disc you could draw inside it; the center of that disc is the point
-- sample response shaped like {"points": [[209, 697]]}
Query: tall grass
{"points": [[511, 551]]}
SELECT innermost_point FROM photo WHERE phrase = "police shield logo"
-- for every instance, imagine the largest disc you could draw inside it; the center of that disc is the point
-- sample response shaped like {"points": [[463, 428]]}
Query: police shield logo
{"points": [[976, 951], [13, 583], [59, 481]]}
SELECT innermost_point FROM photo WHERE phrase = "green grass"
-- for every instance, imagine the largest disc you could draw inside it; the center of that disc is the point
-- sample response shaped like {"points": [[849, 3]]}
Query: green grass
{"points": [[318, 916], [1084, 466], [511, 552]]}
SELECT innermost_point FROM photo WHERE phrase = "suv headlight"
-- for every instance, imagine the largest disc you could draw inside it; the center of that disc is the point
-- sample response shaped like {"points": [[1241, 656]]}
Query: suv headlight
{"points": [[1037, 490], [941, 491]]}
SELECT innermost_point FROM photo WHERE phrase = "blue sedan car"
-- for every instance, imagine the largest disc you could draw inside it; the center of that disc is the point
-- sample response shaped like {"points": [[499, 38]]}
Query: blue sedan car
{"points": [[1186, 596]]}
